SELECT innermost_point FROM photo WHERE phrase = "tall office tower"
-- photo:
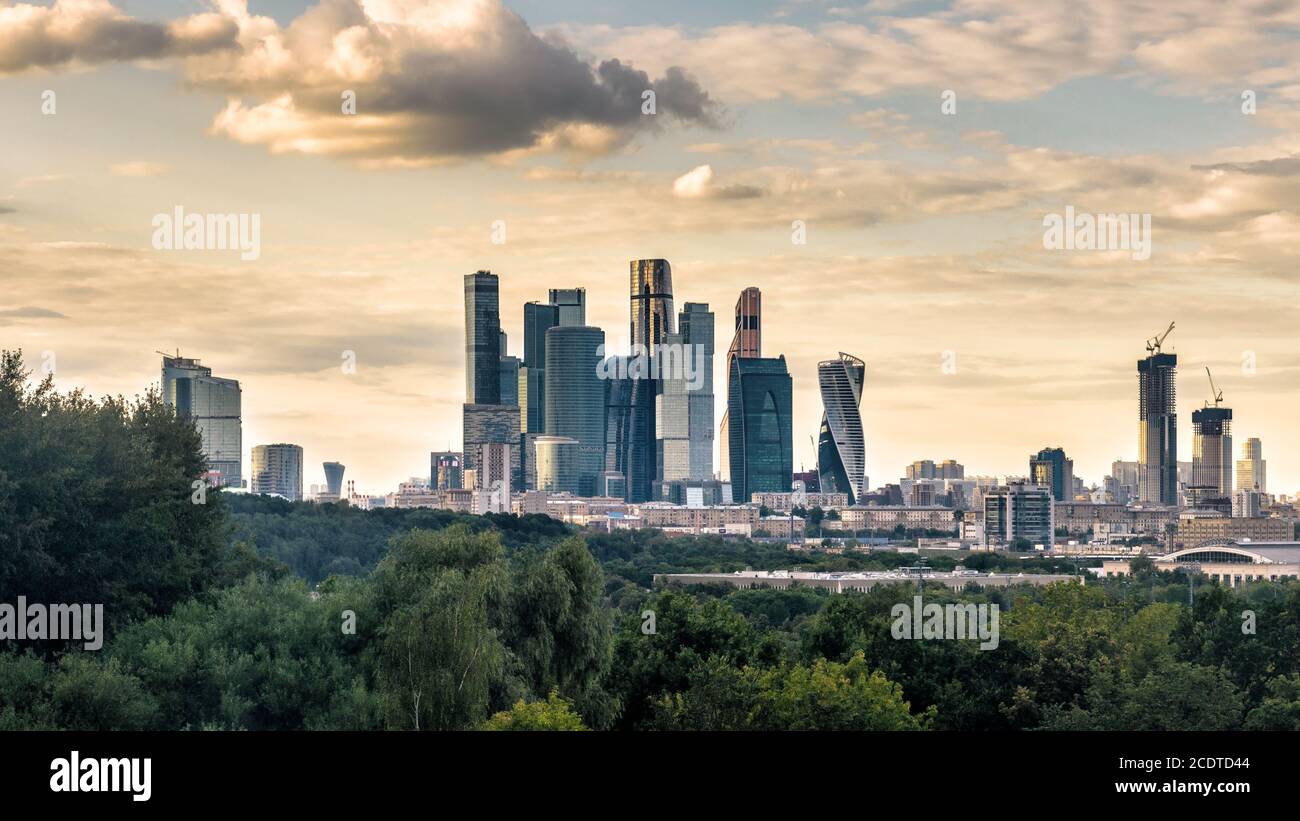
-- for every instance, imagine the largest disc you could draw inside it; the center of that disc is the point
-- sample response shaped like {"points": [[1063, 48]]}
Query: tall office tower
{"points": [[482, 339], [214, 405], [618, 418], [1157, 428], [571, 304], [1050, 468], [490, 425], [684, 406], [557, 464], [575, 396], [538, 319], [277, 469], [1018, 512], [1252, 470], [760, 403], [445, 470], [1212, 449], [922, 469], [652, 321], [747, 342], [334, 478], [841, 445]]}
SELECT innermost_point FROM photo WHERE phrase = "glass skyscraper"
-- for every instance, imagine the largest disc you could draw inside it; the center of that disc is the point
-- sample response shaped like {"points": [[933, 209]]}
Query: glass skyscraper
{"points": [[1158, 429], [538, 319], [1051, 469], [841, 445], [482, 339], [214, 405], [575, 397], [1212, 449], [684, 417], [651, 291], [747, 342], [571, 305], [760, 405]]}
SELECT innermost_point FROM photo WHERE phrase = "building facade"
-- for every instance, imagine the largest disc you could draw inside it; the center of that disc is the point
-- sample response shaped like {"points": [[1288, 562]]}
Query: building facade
{"points": [[1212, 449], [575, 397], [841, 445], [651, 292], [760, 406], [482, 339], [1158, 429], [277, 470], [214, 405], [1018, 514]]}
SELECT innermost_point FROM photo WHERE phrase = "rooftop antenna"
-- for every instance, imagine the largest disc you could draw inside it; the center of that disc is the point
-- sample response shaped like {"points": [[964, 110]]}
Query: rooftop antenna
{"points": [[1215, 392], [1153, 344]]}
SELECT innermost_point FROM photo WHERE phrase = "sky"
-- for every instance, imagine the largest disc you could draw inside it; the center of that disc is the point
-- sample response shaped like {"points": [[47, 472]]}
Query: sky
{"points": [[919, 145]]}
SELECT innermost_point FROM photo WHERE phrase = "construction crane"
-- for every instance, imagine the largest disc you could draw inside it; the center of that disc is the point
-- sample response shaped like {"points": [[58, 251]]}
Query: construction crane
{"points": [[1153, 344], [1214, 391]]}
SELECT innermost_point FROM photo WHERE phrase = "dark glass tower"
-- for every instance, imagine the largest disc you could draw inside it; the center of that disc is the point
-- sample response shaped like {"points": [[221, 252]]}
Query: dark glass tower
{"points": [[652, 320], [760, 404], [747, 342], [482, 339], [1051, 469], [841, 446], [334, 478], [575, 397], [1212, 449], [538, 319], [1158, 429]]}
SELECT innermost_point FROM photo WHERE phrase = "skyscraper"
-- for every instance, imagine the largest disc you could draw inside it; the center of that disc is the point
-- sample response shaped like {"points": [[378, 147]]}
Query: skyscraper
{"points": [[651, 294], [618, 417], [841, 445], [1252, 470], [760, 405], [482, 339], [571, 305], [334, 479], [557, 460], [1212, 449], [538, 319], [445, 470], [214, 405], [1157, 427], [747, 342], [490, 425], [1051, 469], [684, 417], [277, 469], [575, 397]]}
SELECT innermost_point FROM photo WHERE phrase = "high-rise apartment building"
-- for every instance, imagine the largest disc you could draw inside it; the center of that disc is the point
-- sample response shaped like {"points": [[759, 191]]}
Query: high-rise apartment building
{"points": [[651, 292], [1052, 469], [684, 406], [277, 470], [1158, 428], [575, 397], [1018, 514], [1252, 470], [841, 444], [214, 405], [490, 425], [760, 405], [482, 339], [747, 342]]}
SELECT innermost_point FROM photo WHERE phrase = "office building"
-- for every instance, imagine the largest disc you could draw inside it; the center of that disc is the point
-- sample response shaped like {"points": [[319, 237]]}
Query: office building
{"points": [[214, 405], [684, 417], [1252, 470], [651, 293], [841, 444], [277, 471], [760, 406], [570, 305], [1157, 427], [1050, 468], [575, 397], [490, 425], [538, 319], [558, 468], [482, 339], [445, 470], [746, 342]]}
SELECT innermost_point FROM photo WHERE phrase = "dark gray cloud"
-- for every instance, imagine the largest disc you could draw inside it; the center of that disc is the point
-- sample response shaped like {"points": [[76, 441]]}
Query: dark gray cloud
{"points": [[1277, 167], [39, 37]]}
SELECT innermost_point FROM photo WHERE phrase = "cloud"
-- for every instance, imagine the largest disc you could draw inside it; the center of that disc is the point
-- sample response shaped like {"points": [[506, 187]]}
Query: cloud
{"points": [[698, 184], [434, 80], [137, 168], [93, 31], [29, 312]]}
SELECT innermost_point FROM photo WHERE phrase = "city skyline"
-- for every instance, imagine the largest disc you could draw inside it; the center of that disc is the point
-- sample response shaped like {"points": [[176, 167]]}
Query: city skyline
{"points": [[924, 230]]}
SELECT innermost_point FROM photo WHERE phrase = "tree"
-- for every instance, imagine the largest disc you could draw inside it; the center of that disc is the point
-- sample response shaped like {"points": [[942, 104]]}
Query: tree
{"points": [[553, 714]]}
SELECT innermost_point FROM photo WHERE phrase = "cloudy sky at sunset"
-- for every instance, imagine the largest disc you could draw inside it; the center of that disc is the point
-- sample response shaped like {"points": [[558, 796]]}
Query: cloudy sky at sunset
{"points": [[924, 229]]}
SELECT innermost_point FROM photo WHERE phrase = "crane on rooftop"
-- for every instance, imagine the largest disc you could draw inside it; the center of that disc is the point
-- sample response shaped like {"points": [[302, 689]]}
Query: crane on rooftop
{"points": [[1214, 391], [1153, 344]]}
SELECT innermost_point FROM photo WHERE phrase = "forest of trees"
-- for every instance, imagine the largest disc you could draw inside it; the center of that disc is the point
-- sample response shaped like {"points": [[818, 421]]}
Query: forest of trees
{"points": [[257, 613]]}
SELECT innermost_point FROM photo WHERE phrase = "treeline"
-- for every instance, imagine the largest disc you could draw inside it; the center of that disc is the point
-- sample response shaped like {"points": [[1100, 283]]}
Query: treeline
{"points": [[250, 613]]}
